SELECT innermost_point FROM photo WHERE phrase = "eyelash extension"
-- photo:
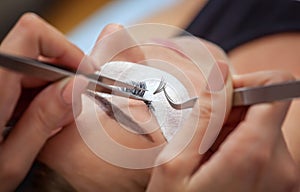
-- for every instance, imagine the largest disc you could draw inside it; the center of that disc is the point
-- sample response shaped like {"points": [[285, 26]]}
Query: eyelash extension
{"points": [[161, 86], [139, 92], [178, 106], [134, 91]]}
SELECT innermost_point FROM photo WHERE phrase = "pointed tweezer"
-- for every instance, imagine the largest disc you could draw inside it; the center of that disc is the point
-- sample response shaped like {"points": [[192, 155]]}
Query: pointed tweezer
{"points": [[246, 96], [50, 72]]}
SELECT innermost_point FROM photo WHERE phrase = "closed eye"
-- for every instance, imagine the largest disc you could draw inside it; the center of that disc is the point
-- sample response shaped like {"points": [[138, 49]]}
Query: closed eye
{"points": [[118, 115]]}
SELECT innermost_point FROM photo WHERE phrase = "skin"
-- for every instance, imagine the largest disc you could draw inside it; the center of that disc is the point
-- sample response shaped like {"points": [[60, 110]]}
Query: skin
{"points": [[249, 159], [271, 52], [68, 146], [49, 111], [66, 151], [275, 52]]}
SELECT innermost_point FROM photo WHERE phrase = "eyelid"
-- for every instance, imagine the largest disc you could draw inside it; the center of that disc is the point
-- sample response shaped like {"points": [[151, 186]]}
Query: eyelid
{"points": [[113, 111]]}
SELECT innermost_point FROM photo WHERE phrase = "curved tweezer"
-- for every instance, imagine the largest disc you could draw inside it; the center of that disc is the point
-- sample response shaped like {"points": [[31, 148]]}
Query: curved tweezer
{"points": [[50, 72], [178, 106], [241, 97], [246, 96]]}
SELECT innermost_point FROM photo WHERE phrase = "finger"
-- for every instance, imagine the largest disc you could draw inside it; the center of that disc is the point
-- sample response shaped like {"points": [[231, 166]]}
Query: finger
{"points": [[261, 78], [264, 78], [245, 153], [121, 39], [168, 175], [249, 80], [205, 121], [108, 30], [281, 168], [9, 93], [234, 118], [115, 43], [249, 148], [33, 37], [46, 115]]}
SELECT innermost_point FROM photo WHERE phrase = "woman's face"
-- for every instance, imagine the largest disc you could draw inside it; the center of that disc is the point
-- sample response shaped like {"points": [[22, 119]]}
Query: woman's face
{"points": [[134, 127]]}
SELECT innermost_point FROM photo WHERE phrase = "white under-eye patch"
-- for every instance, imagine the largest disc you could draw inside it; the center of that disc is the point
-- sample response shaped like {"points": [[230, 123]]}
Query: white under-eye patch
{"points": [[169, 119]]}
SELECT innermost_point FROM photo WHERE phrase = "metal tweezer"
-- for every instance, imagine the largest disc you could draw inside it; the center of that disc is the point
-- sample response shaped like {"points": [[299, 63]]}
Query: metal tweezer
{"points": [[263, 94], [241, 96], [247, 96], [50, 72]]}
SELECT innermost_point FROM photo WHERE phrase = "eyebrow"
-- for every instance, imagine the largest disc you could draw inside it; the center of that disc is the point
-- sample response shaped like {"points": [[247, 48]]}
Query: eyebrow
{"points": [[118, 115]]}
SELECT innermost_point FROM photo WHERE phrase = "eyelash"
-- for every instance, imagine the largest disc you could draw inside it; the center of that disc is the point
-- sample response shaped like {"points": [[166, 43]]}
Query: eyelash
{"points": [[134, 91], [138, 92], [161, 87]]}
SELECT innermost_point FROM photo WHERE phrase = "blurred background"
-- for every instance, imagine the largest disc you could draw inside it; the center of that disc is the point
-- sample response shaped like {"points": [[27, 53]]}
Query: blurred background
{"points": [[63, 14], [81, 20]]}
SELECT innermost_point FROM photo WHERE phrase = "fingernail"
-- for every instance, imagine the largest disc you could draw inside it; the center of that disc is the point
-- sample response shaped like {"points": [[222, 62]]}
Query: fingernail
{"points": [[74, 89], [113, 27], [109, 29], [217, 77]]}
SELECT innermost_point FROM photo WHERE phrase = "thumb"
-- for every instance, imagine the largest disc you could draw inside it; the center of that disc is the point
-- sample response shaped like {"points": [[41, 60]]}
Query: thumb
{"points": [[45, 116], [55, 105]]}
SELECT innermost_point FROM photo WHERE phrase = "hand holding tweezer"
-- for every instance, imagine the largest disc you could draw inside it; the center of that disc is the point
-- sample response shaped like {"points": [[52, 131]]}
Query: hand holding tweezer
{"points": [[241, 97], [52, 73], [268, 93], [246, 96]]}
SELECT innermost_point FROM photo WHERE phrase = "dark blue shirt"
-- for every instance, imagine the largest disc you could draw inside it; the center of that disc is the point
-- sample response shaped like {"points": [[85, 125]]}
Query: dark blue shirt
{"points": [[230, 23]]}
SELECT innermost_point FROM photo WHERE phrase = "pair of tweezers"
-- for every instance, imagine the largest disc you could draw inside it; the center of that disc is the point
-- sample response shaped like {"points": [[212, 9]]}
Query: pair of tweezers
{"points": [[241, 96], [51, 73]]}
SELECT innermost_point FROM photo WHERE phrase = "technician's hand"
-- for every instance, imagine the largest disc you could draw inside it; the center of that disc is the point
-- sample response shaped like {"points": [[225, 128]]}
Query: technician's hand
{"points": [[49, 111], [254, 156]]}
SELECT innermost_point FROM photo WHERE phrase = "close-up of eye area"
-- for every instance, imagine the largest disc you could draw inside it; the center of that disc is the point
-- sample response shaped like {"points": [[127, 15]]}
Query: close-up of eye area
{"points": [[131, 123], [144, 93], [158, 112], [157, 95]]}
